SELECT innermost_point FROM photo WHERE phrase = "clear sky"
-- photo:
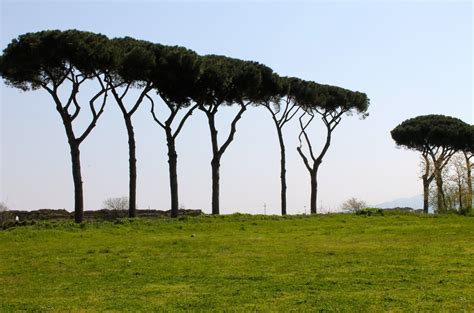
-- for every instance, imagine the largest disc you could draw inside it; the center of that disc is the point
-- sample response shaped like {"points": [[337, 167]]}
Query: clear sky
{"points": [[411, 58]]}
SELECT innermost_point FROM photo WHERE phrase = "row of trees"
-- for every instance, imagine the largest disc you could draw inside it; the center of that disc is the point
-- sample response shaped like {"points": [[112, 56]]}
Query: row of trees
{"points": [[63, 62], [439, 138]]}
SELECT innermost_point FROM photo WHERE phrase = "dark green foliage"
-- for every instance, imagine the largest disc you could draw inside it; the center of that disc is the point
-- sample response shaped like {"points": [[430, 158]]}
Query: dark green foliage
{"points": [[226, 80], [176, 73], [7, 218], [370, 212], [469, 147], [36, 59], [136, 59], [426, 131], [311, 95]]}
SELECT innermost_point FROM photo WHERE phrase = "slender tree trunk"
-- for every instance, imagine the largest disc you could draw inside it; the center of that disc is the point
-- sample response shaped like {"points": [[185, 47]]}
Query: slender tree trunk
{"points": [[439, 191], [76, 166], [282, 171], [427, 179], [314, 191], [132, 162], [215, 165], [77, 178], [217, 151], [460, 194], [173, 169], [426, 193]]}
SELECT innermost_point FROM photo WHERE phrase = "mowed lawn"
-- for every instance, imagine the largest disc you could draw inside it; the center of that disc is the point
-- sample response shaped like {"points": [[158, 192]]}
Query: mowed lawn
{"points": [[241, 263]]}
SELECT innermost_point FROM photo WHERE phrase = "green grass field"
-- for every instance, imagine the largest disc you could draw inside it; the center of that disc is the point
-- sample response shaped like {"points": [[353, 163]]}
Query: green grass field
{"points": [[242, 263]]}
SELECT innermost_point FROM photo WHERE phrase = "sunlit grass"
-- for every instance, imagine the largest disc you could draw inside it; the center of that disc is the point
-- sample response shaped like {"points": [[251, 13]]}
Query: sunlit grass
{"points": [[241, 263]]}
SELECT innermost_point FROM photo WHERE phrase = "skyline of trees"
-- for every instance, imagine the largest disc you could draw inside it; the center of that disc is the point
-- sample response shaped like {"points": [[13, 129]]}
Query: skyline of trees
{"points": [[184, 82]]}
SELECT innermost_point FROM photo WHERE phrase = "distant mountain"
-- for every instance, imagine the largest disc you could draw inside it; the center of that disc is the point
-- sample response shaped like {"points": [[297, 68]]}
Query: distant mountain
{"points": [[415, 202]]}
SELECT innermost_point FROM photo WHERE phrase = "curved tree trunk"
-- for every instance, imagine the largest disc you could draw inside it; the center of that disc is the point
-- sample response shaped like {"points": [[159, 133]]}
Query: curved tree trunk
{"points": [[215, 165], [282, 171], [77, 178], [217, 151], [132, 162], [73, 140], [173, 169]]}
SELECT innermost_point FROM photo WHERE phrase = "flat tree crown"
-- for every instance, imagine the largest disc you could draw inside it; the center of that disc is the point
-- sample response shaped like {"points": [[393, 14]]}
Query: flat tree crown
{"points": [[425, 131], [311, 95], [136, 60], [176, 74], [227, 80], [46, 57]]}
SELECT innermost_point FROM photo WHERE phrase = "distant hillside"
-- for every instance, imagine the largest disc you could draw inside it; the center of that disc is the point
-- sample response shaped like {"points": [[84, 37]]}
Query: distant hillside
{"points": [[415, 202]]}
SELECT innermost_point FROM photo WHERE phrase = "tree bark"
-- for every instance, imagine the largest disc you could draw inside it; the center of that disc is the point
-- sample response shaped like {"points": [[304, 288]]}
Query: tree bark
{"points": [[173, 169], [439, 189], [314, 191], [282, 171], [426, 193], [427, 179], [460, 194], [132, 162], [77, 179], [217, 151], [215, 165]]}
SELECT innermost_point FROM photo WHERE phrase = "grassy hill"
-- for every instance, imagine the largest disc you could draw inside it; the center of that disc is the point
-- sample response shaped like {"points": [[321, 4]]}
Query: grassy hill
{"points": [[241, 263]]}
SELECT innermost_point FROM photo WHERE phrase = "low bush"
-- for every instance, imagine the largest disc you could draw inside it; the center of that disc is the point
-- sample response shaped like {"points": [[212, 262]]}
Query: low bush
{"points": [[370, 212]]}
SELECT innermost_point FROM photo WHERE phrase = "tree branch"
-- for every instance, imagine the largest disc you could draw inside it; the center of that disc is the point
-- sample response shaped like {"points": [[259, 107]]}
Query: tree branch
{"points": [[303, 132], [95, 114], [305, 160], [125, 91], [153, 112], [233, 128], [147, 89], [77, 107], [183, 120], [290, 115]]}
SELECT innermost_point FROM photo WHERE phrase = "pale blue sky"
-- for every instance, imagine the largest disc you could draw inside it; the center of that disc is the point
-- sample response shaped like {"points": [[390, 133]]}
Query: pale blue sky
{"points": [[410, 58]]}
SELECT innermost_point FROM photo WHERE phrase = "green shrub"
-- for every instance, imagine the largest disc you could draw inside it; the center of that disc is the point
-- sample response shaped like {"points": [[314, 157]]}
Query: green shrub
{"points": [[7, 219], [370, 212], [466, 211]]}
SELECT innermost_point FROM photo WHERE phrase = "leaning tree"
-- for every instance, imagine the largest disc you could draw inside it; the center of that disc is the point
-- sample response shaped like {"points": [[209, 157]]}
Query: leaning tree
{"points": [[175, 81], [330, 103], [134, 69], [438, 138], [61, 62], [225, 82]]}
